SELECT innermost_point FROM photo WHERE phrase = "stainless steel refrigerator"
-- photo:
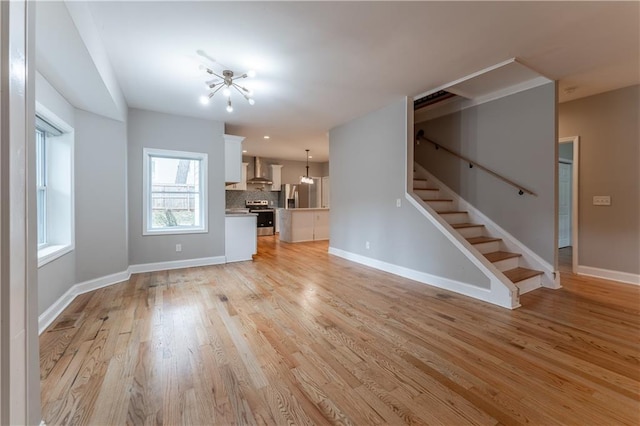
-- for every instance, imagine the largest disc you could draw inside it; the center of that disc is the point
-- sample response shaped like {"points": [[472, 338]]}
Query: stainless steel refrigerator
{"points": [[301, 196]]}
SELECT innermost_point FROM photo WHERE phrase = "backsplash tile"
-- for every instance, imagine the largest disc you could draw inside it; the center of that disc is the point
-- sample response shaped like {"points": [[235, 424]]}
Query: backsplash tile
{"points": [[237, 199]]}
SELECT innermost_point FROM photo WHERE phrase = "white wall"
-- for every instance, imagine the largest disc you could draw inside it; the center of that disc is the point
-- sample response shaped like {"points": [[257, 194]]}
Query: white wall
{"points": [[516, 137], [609, 236], [149, 129], [100, 158], [57, 276], [368, 174], [101, 196]]}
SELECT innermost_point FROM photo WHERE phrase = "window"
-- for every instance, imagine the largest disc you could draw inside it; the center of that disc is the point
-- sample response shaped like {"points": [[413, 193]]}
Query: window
{"points": [[54, 186], [175, 192], [41, 183]]}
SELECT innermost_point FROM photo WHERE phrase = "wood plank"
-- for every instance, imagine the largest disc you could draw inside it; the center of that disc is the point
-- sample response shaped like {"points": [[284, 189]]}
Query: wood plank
{"points": [[497, 256], [520, 274], [301, 337]]}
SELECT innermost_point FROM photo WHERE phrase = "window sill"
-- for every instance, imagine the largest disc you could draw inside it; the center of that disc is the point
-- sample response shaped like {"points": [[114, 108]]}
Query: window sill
{"points": [[175, 231], [50, 253]]}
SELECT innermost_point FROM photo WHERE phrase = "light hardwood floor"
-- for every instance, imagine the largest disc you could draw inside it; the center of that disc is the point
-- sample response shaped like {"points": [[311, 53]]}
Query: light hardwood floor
{"points": [[302, 337]]}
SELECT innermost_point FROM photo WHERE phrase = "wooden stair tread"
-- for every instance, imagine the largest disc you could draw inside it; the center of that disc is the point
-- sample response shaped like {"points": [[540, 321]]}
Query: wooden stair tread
{"points": [[497, 256], [451, 212], [521, 274], [419, 180], [480, 240], [467, 225], [437, 199]]}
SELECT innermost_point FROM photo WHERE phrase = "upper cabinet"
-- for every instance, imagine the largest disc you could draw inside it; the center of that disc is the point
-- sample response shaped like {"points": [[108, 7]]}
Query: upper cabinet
{"points": [[233, 159], [242, 185], [276, 177]]}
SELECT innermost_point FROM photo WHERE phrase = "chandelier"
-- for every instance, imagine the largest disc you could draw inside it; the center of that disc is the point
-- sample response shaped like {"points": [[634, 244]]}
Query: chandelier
{"points": [[307, 179], [227, 83]]}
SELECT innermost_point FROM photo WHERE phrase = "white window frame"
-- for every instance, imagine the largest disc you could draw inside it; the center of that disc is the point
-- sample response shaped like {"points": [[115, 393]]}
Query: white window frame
{"points": [[147, 155], [59, 219]]}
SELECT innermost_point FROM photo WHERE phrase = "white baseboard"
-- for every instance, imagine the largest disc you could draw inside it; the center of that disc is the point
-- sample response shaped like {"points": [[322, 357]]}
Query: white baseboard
{"points": [[484, 294], [48, 316], [176, 264], [608, 274]]}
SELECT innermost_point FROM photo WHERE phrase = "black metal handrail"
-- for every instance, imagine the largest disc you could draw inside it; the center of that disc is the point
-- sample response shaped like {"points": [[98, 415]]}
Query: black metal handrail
{"points": [[521, 190]]}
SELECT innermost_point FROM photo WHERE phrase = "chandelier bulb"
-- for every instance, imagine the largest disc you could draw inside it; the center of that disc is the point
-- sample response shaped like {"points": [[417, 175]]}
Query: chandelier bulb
{"points": [[204, 100], [226, 92], [229, 107], [251, 101], [251, 73]]}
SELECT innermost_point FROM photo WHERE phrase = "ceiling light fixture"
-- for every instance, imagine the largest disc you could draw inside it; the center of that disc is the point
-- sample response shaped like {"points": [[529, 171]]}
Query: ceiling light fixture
{"points": [[227, 83], [307, 179]]}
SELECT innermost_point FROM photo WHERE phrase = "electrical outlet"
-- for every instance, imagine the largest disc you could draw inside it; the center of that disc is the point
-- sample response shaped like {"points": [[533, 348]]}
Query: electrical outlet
{"points": [[367, 245], [601, 200], [398, 202], [178, 247]]}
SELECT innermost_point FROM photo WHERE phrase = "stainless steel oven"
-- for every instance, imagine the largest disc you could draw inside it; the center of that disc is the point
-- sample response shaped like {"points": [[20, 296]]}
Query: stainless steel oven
{"points": [[265, 216]]}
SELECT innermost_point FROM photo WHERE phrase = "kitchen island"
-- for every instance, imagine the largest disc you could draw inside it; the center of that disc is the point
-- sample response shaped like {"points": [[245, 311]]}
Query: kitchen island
{"points": [[298, 225], [240, 236]]}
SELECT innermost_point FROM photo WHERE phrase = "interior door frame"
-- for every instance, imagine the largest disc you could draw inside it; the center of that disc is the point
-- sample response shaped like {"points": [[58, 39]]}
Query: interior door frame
{"points": [[574, 199]]}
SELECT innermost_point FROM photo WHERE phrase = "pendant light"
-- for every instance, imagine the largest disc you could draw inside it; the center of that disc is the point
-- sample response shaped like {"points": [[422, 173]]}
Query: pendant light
{"points": [[307, 179]]}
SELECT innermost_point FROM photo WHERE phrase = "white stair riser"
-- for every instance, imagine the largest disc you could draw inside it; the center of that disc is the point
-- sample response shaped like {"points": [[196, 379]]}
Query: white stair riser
{"points": [[529, 284], [427, 193], [506, 264], [420, 184], [475, 231], [487, 247], [455, 217], [441, 206]]}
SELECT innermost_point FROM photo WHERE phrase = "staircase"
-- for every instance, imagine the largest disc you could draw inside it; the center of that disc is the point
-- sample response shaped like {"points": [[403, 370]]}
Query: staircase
{"points": [[483, 241]]}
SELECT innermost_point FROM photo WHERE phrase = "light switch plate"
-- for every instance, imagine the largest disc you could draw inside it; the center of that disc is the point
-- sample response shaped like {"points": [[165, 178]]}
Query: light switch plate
{"points": [[601, 200]]}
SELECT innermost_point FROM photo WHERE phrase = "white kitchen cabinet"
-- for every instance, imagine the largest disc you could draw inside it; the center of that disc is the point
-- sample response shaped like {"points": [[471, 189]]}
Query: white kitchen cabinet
{"points": [[241, 237], [326, 190], [242, 184], [276, 177], [233, 158], [321, 225], [298, 225]]}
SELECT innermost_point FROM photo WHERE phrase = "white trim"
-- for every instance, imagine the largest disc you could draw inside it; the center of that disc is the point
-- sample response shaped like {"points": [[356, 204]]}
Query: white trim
{"points": [[47, 317], [519, 87], [574, 199], [608, 274], [201, 157], [50, 253], [176, 264], [533, 260], [485, 294]]}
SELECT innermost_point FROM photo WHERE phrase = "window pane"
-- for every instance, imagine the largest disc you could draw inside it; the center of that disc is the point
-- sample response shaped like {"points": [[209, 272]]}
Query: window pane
{"points": [[40, 208], [41, 197], [175, 193]]}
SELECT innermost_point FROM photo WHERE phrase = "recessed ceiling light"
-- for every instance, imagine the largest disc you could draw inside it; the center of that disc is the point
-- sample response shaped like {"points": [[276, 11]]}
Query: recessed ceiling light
{"points": [[267, 137]]}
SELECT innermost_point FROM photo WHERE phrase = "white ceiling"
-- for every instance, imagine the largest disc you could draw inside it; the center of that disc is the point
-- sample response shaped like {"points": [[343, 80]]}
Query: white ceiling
{"points": [[321, 64]]}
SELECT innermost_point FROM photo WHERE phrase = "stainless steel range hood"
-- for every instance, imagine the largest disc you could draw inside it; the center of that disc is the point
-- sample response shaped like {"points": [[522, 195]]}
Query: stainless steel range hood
{"points": [[258, 176]]}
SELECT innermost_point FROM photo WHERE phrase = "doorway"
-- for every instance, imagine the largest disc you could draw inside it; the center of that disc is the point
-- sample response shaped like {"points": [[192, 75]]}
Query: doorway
{"points": [[567, 244]]}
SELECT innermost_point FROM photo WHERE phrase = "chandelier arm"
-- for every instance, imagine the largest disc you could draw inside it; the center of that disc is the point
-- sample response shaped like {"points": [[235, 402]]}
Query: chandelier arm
{"points": [[217, 75], [216, 90], [240, 77], [235, 86]]}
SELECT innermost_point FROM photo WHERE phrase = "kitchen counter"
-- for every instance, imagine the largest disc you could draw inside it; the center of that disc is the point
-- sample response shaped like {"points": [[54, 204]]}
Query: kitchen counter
{"points": [[240, 214], [240, 236], [307, 224]]}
